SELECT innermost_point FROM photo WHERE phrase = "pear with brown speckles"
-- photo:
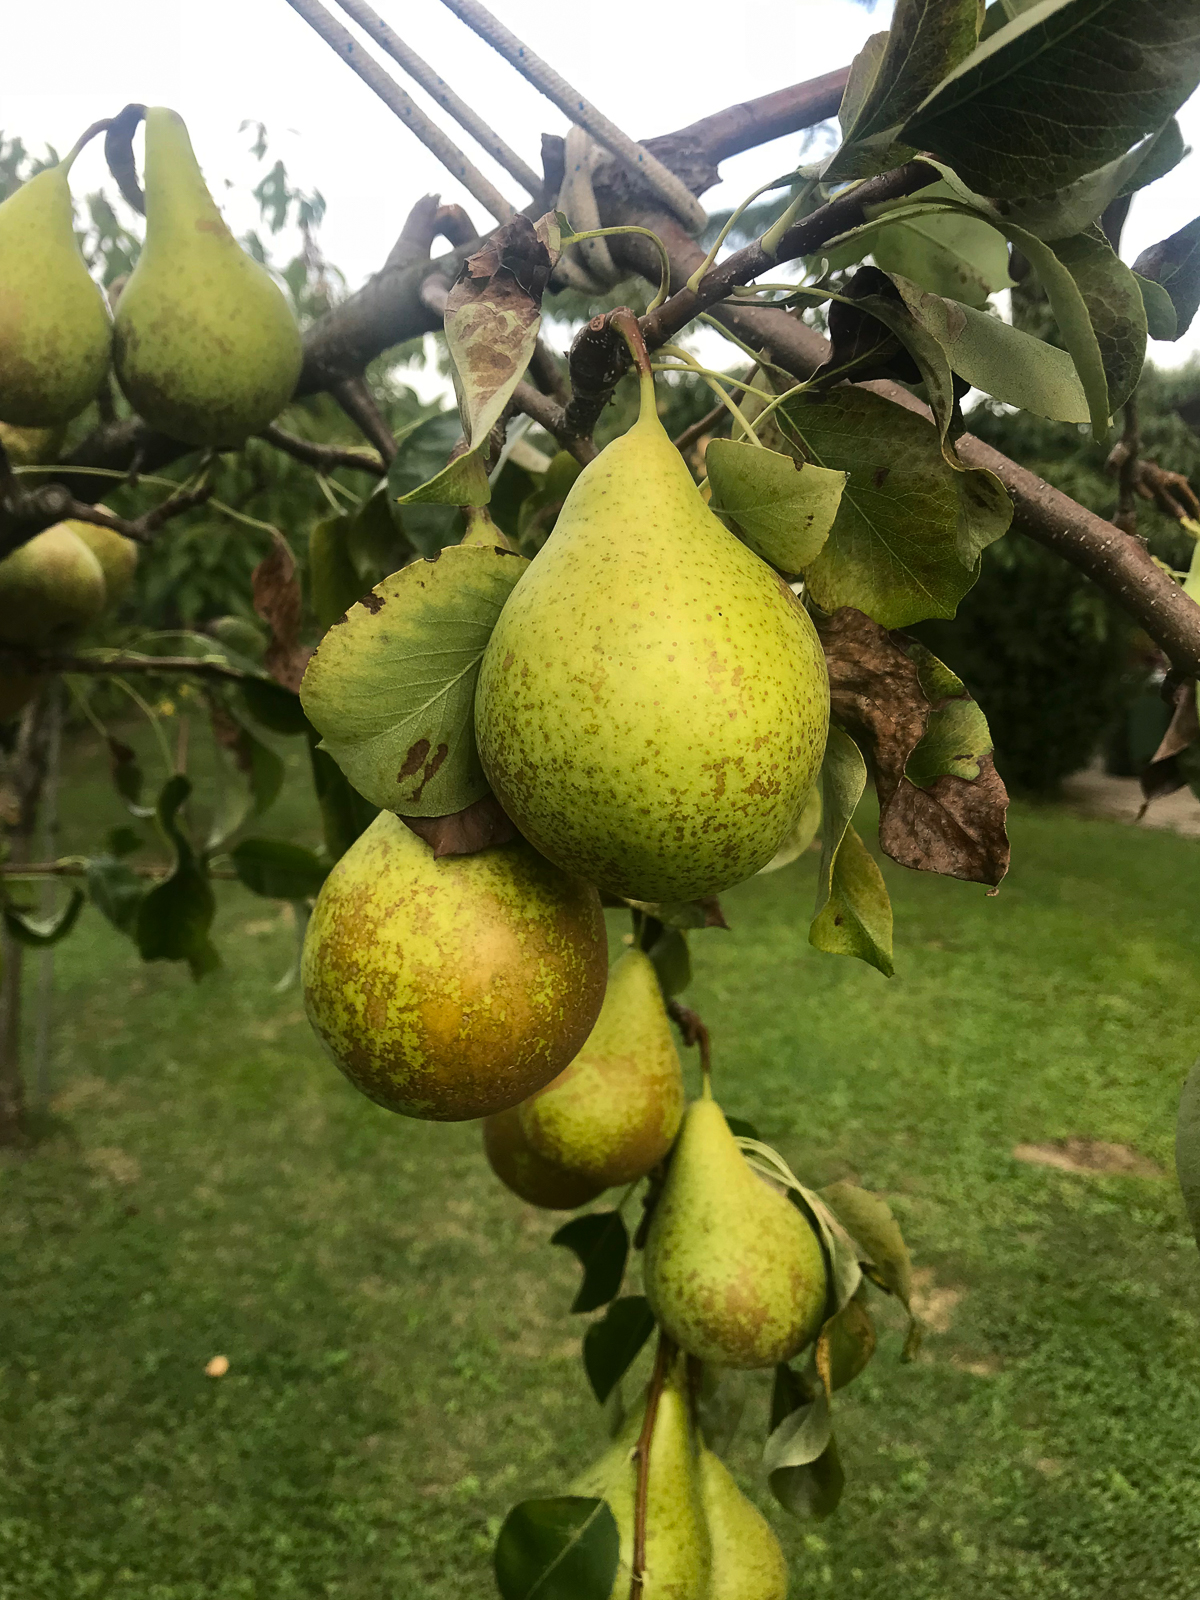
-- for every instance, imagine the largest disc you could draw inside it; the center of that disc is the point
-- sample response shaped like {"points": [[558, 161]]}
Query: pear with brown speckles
{"points": [[653, 703], [451, 988], [733, 1270], [529, 1175]]}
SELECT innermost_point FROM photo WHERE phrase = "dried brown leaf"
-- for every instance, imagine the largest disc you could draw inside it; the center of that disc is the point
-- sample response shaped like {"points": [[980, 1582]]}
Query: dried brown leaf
{"points": [[466, 832], [277, 599], [1163, 776]]}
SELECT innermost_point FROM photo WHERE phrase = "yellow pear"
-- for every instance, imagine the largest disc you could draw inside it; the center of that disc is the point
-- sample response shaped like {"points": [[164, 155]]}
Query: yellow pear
{"points": [[55, 337], [653, 703], [205, 345], [614, 1112], [450, 989], [678, 1559], [747, 1562], [527, 1174], [118, 558], [732, 1269], [50, 588]]}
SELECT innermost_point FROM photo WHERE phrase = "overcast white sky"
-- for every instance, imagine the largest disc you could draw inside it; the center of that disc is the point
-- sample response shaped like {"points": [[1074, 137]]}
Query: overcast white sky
{"points": [[66, 63]]}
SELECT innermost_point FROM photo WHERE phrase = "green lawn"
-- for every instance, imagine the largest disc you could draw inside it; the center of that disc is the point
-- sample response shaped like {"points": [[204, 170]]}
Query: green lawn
{"points": [[402, 1363]]}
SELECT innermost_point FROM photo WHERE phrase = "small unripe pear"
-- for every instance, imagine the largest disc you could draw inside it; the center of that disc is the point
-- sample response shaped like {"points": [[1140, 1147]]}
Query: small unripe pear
{"points": [[50, 587], [118, 558]]}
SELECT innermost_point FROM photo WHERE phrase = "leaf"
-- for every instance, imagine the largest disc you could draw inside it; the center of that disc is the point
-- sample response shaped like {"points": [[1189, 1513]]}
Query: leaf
{"points": [[1187, 1147], [493, 313], [392, 688], [278, 869], [1075, 208], [855, 919], [704, 913], [610, 1344], [1060, 91], [782, 508], [127, 776], [800, 836], [464, 833], [333, 581], [740, 1128], [562, 1549], [955, 743], [1174, 266], [864, 69], [1001, 360], [962, 257], [601, 1243], [277, 708], [843, 779], [1115, 310], [116, 891], [345, 815], [174, 917], [813, 1490], [463, 481], [672, 961], [927, 39], [420, 457], [123, 841], [277, 599], [848, 1343], [43, 931], [905, 542], [1162, 320], [255, 761], [870, 1221], [801, 1437]]}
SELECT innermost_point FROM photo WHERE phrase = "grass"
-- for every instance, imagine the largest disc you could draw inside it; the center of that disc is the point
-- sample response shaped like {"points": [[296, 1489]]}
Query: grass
{"points": [[402, 1363]]}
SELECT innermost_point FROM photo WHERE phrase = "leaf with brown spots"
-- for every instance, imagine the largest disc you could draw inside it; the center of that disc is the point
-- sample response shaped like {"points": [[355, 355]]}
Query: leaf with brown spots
{"points": [[493, 313], [391, 689], [277, 599]]}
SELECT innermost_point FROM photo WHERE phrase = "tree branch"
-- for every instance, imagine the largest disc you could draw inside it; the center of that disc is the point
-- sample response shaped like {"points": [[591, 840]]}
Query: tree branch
{"points": [[78, 869], [357, 401], [325, 457], [548, 414], [38, 509], [31, 662]]}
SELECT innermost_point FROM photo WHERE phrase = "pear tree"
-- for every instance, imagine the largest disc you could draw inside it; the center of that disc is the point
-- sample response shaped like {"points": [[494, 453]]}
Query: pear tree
{"points": [[545, 660]]}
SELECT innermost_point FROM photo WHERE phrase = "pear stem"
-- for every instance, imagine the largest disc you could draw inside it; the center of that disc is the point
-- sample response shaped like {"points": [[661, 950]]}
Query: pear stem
{"points": [[84, 138], [627, 325], [663, 1358], [694, 1032]]}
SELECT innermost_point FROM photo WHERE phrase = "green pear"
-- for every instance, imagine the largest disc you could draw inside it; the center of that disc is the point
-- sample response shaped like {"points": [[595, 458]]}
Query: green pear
{"points": [[653, 703], [449, 989], [240, 634], [614, 1112], [204, 344], [733, 1270], [677, 1548], [747, 1562], [529, 1175], [118, 558], [31, 447], [50, 588], [55, 336]]}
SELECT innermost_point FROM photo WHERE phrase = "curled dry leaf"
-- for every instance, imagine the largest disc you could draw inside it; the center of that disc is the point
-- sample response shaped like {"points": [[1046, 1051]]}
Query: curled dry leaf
{"points": [[1164, 775], [278, 601], [465, 832]]}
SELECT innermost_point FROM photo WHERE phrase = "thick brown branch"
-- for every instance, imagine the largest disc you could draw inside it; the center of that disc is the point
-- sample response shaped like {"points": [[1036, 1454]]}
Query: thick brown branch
{"points": [[754, 122], [548, 414], [357, 401], [325, 457]]}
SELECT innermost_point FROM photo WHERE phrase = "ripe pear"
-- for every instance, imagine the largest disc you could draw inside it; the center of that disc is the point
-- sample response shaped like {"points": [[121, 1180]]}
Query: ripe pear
{"points": [[747, 1562], [733, 1270], [678, 1558], [529, 1175], [205, 345], [118, 558], [55, 336], [31, 447], [653, 703], [50, 588], [614, 1112], [449, 989]]}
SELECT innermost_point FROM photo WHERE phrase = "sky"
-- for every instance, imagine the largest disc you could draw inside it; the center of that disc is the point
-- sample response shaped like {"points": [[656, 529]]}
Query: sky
{"points": [[68, 63]]}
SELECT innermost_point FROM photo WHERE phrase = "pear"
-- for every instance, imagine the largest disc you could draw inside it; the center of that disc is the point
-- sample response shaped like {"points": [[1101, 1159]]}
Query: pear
{"points": [[747, 1562], [653, 703], [527, 1174], [55, 337], [614, 1112], [50, 588], [677, 1548], [31, 447], [118, 558], [450, 989], [732, 1270], [205, 345]]}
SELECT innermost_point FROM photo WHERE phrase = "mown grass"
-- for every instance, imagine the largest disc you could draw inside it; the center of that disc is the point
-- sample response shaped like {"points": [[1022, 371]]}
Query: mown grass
{"points": [[403, 1366]]}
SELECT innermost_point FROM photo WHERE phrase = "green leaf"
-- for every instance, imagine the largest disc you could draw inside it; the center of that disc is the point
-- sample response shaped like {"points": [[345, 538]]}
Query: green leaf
{"points": [[1060, 91], [949, 254], [422, 455], [802, 1436], [870, 1222], [127, 777], [278, 869], [843, 779], [333, 581], [889, 309], [392, 688], [1174, 266], [864, 70], [801, 834], [1115, 310], [116, 891], [601, 1243], [740, 1128], [847, 1343], [906, 539], [252, 776], [461, 482], [345, 814], [43, 931], [610, 1345], [123, 841], [855, 918], [1187, 1147], [672, 961], [813, 1490], [955, 742], [1001, 360], [1075, 208], [563, 1549], [174, 917], [782, 508], [274, 706], [1162, 320]]}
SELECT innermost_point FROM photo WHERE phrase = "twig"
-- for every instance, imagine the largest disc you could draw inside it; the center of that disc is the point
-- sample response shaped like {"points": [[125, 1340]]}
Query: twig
{"points": [[78, 869], [572, 104], [548, 375], [698, 429], [38, 509], [122, 666], [343, 43], [357, 401], [322, 456], [662, 1366], [694, 1032], [417, 68], [548, 414], [1127, 469]]}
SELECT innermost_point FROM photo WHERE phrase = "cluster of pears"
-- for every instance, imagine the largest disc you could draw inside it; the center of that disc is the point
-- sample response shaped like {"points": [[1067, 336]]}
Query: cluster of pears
{"points": [[704, 1539], [51, 588], [653, 704], [204, 344]]}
